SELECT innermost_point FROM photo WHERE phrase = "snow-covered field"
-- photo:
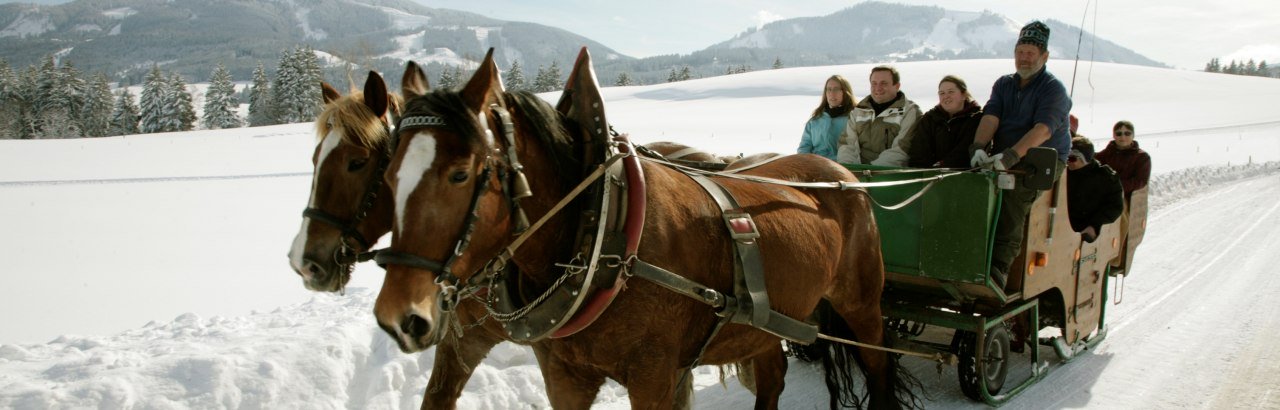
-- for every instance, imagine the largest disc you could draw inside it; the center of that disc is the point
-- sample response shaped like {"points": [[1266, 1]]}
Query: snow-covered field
{"points": [[149, 271]]}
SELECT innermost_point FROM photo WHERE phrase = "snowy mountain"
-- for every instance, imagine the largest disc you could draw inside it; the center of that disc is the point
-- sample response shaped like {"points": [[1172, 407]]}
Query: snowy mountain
{"points": [[876, 32], [126, 37]]}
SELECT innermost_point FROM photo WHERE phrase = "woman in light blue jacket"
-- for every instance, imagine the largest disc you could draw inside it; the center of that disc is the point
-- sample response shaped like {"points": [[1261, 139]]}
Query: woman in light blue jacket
{"points": [[822, 132]]}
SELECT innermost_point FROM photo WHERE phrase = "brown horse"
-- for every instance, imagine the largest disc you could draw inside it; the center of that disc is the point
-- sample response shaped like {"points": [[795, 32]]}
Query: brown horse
{"points": [[353, 135], [344, 216], [454, 215]]}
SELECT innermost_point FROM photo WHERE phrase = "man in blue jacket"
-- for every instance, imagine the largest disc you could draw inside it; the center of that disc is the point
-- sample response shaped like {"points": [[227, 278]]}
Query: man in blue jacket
{"points": [[1027, 109]]}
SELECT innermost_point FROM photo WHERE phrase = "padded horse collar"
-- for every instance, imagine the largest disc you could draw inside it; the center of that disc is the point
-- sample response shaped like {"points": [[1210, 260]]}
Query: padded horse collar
{"points": [[609, 237]]}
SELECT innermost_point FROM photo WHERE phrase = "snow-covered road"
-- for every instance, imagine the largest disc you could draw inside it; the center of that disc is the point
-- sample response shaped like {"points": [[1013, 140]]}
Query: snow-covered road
{"points": [[1197, 323]]}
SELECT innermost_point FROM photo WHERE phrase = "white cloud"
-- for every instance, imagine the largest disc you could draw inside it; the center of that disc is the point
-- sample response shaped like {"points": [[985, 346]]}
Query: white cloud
{"points": [[765, 17]]}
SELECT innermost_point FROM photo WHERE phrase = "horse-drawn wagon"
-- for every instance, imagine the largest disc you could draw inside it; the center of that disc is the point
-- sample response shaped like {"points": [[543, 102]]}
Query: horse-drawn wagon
{"points": [[937, 252], [935, 249]]}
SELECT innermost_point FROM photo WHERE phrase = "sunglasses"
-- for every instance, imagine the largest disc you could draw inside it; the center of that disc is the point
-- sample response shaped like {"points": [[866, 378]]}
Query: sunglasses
{"points": [[1124, 133]]}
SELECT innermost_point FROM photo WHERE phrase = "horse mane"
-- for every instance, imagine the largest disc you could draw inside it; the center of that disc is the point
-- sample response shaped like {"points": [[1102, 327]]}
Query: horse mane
{"points": [[528, 110], [549, 125], [362, 127]]}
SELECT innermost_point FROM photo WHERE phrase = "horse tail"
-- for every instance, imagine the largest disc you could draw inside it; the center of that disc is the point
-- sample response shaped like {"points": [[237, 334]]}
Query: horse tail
{"points": [[839, 359]]}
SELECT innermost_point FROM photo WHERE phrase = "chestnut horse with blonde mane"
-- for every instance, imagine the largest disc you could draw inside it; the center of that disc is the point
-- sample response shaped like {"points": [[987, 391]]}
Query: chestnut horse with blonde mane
{"points": [[454, 215]]}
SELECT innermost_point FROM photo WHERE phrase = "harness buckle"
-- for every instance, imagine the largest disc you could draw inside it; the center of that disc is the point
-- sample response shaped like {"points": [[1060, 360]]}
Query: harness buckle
{"points": [[575, 266], [741, 227]]}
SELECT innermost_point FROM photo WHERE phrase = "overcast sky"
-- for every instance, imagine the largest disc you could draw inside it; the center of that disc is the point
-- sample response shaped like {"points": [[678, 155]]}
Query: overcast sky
{"points": [[1182, 33]]}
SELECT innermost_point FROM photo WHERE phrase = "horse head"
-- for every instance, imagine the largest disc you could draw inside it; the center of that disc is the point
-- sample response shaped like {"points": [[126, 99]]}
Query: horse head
{"points": [[348, 209], [455, 183]]}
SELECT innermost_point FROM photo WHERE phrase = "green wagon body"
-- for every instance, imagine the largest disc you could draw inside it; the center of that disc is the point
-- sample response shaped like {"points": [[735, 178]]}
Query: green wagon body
{"points": [[937, 251]]}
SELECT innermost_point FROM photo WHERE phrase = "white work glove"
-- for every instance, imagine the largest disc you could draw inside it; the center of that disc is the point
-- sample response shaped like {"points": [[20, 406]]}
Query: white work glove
{"points": [[980, 159]]}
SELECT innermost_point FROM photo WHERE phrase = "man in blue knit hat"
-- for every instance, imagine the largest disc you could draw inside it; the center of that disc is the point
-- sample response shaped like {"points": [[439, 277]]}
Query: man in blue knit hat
{"points": [[1027, 109]]}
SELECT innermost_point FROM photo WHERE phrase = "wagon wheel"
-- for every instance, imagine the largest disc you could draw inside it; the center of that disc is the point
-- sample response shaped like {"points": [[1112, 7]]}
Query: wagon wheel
{"points": [[993, 367]]}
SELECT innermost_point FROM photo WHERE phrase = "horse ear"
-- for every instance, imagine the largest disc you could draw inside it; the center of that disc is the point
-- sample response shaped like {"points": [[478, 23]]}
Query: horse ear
{"points": [[414, 83], [581, 98], [330, 94], [375, 94], [484, 85]]}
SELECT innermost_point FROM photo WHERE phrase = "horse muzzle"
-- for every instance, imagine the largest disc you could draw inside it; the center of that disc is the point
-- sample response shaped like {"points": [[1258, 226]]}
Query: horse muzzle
{"points": [[322, 277], [414, 333]]}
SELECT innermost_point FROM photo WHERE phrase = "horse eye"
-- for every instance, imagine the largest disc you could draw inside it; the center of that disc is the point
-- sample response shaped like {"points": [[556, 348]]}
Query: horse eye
{"points": [[458, 177], [356, 164]]}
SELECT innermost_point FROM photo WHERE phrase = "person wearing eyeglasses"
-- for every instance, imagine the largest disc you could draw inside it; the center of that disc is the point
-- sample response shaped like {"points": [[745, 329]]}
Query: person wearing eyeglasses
{"points": [[1094, 194], [1131, 163], [825, 128]]}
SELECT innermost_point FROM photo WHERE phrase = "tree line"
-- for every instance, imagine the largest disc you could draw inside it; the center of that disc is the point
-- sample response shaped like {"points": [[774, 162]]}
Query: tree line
{"points": [[55, 100], [1258, 69]]}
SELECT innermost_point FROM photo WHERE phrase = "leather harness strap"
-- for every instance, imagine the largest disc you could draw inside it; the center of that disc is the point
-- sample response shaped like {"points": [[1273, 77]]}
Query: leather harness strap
{"points": [[748, 270], [749, 304]]}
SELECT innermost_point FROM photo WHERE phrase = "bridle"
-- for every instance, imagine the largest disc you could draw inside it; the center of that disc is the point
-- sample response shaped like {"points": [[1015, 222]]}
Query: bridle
{"points": [[515, 187], [347, 255]]}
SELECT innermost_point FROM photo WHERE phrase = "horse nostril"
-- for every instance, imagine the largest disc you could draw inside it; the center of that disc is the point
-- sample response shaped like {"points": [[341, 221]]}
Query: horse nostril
{"points": [[311, 270], [415, 326]]}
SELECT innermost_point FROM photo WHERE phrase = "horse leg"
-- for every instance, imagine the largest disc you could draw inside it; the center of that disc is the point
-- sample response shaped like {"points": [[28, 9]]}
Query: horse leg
{"points": [[877, 365], [454, 363], [769, 370], [568, 386], [684, 392]]}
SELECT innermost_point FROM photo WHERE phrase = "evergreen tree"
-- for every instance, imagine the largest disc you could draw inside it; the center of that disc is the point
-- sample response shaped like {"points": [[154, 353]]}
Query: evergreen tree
{"points": [[514, 80], [554, 77], [1250, 68], [623, 79], [284, 88], [1233, 68], [260, 112], [124, 120], [544, 81], [777, 63], [447, 79], [312, 98], [674, 76], [220, 102], [459, 75], [10, 103], [152, 102], [183, 108], [60, 95], [95, 117], [296, 91], [1213, 66], [26, 91], [1263, 70], [685, 74]]}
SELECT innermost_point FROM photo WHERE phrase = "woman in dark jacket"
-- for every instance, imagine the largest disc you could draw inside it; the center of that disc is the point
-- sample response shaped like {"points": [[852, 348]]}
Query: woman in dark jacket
{"points": [[942, 136]]}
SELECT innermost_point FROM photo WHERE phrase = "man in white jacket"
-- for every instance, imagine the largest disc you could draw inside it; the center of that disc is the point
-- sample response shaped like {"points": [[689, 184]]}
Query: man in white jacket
{"points": [[877, 134]]}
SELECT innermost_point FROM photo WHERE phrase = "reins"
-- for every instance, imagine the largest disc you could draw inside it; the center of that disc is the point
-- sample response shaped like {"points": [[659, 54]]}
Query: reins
{"points": [[841, 185]]}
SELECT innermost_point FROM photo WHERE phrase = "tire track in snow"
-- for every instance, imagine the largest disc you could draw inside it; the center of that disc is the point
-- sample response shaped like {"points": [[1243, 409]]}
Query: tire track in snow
{"points": [[1221, 253], [152, 179]]}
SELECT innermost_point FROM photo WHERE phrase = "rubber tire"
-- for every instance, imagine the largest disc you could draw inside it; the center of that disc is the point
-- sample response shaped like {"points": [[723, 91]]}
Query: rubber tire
{"points": [[994, 369]]}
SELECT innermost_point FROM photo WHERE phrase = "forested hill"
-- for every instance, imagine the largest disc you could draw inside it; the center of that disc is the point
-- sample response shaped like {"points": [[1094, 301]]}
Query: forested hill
{"points": [[124, 38]]}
